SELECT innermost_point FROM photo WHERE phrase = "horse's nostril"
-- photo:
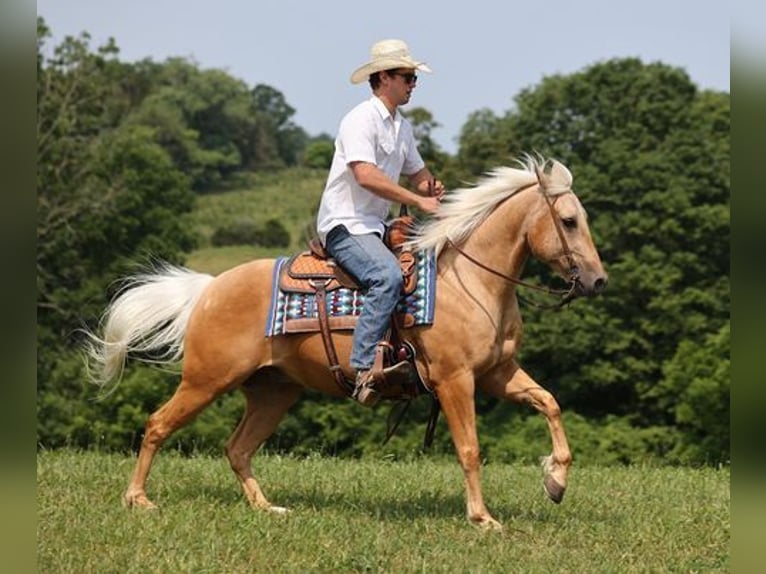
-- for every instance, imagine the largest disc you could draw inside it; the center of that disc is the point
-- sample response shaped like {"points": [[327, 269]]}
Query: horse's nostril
{"points": [[600, 284]]}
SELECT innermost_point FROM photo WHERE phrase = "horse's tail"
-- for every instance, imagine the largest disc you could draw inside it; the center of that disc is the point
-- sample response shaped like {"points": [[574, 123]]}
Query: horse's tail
{"points": [[148, 316]]}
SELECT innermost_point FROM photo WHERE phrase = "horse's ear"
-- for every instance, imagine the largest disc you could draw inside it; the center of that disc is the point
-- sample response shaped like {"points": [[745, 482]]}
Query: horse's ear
{"points": [[542, 178], [559, 175]]}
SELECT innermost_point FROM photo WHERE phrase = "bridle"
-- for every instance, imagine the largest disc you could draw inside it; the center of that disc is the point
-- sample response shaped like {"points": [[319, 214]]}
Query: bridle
{"points": [[573, 273]]}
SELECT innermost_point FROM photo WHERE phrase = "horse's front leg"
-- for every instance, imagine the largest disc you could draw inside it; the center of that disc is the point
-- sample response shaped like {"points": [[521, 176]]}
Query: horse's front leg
{"points": [[456, 396], [510, 382]]}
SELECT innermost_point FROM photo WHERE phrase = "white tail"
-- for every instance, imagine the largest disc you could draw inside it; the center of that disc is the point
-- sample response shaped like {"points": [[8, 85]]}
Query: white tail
{"points": [[149, 315]]}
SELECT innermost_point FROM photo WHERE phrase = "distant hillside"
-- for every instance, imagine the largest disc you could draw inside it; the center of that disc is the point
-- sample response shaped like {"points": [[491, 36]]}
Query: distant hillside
{"points": [[289, 196]]}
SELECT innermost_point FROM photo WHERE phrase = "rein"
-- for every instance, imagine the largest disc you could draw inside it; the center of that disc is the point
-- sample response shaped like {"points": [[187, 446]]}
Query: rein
{"points": [[565, 294]]}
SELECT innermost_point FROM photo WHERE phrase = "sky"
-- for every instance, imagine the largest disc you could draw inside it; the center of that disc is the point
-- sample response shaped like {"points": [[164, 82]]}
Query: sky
{"points": [[482, 52]]}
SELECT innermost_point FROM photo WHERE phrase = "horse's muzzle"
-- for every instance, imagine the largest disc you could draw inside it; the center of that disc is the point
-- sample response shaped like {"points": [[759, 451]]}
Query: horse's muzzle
{"points": [[590, 287]]}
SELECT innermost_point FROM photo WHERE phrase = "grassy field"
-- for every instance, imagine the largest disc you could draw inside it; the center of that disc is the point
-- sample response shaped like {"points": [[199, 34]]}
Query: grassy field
{"points": [[376, 516], [291, 196]]}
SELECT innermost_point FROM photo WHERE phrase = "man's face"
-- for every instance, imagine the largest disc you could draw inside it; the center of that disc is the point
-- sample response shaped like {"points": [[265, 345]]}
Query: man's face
{"points": [[399, 84]]}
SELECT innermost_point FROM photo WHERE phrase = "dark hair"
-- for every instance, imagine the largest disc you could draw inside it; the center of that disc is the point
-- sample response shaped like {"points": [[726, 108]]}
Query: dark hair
{"points": [[374, 80]]}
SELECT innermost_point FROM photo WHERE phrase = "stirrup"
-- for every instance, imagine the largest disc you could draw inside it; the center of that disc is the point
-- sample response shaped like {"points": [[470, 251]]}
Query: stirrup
{"points": [[369, 383], [364, 393], [397, 374]]}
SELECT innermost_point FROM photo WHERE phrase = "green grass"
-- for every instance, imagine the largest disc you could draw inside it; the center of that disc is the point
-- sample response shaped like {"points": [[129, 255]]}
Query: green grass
{"points": [[291, 196], [215, 260], [376, 516]]}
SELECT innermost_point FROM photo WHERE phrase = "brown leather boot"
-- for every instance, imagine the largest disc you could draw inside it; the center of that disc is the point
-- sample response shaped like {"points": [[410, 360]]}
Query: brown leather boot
{"points": [[364, 393], [368, 382]]}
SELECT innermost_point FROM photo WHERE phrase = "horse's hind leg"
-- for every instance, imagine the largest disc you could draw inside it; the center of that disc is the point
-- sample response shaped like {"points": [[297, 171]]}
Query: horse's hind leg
{"points": [[269, 396], [520, 387], [183, 406]]}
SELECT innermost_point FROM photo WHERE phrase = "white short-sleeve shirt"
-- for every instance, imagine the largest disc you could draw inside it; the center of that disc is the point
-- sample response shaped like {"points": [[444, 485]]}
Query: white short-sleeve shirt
{"points": [[370, 134]]}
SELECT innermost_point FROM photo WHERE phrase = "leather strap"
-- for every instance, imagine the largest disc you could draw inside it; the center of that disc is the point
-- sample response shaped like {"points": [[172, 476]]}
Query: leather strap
{"points": [[377, 366], [433, 418], [324, 329]]}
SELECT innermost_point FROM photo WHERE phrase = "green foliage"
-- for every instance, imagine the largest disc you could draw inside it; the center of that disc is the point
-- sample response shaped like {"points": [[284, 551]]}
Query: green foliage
{"points": [[484, 143], [509, 436], [208, 122], [286, 140], [273, 234], [202, 121], [423, 123], [107, 192], [107, 195], [246, 232], [695, 388], [289, 196], [82, 416], [318, 154]]}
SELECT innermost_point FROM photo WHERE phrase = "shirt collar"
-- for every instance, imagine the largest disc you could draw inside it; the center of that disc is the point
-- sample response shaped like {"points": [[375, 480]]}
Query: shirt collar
{"points": [[383, 110]]}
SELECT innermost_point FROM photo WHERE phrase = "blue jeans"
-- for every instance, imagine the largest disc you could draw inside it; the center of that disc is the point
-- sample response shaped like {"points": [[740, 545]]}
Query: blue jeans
{"points": [[377, 271]]}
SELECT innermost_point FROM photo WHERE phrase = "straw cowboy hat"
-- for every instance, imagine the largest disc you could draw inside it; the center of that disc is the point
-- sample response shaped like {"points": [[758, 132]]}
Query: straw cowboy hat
{"points": [[387, 55]]}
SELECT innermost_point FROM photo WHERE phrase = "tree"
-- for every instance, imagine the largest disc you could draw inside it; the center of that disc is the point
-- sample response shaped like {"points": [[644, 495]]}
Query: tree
{"points": [[108, 195], [203, 118], [695, 388], [276, 128], [650, 154], [485, 142], [120, 149], [104, 190], [423, 124], [319, 153]]}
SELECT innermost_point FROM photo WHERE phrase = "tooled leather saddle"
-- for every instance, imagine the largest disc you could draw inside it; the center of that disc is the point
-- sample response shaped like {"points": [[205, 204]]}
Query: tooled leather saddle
{"points": [[315, 272], [305, 270]]}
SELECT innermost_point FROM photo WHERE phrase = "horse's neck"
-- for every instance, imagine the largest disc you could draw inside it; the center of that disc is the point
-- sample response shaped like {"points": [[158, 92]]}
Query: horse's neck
{"points": [[498, 243], [500, 238]]}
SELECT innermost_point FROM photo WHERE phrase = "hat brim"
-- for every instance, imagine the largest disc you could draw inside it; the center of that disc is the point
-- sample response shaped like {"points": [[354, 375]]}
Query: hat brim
{"points": [[362, 73]]}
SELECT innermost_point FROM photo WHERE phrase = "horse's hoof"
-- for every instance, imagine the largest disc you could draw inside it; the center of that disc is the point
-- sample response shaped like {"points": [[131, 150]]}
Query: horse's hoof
{"points": [[281, 510], [553, 489], [487, 524], [492, 525], [138, 501]]}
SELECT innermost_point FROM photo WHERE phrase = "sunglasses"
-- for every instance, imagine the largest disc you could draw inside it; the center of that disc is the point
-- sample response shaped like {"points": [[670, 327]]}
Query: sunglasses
{"points": [[409, 77]]}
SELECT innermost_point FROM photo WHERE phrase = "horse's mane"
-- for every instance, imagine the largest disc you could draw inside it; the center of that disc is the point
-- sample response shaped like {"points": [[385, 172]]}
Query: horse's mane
{"points": [[465, 208]]}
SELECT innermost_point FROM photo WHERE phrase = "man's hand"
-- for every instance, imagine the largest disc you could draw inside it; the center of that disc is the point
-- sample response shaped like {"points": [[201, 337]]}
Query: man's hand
{"points": [[433, 195], [424, 188], [430, 204]]}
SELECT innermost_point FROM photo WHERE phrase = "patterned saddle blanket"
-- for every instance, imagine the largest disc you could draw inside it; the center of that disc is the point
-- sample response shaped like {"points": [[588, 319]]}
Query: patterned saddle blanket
{"points": [[293, 309]]}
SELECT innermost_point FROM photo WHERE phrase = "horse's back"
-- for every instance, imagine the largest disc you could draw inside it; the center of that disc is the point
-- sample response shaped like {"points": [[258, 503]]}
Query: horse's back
{"points": [[230, 316]]}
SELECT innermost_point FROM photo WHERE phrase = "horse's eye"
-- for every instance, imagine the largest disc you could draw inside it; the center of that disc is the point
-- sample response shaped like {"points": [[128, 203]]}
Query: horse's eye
{"points": [[569, 222]]}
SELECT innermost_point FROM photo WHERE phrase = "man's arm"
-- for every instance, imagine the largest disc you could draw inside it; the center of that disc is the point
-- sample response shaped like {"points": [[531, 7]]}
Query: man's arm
{"points": [[371, 178]]}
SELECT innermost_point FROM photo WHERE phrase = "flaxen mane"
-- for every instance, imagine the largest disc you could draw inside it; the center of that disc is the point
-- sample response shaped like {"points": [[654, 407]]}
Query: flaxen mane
{"points": [[465, 208]]}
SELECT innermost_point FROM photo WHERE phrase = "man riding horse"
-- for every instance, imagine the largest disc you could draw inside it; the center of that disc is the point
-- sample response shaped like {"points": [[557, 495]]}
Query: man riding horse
{"points": [[374, 147]]}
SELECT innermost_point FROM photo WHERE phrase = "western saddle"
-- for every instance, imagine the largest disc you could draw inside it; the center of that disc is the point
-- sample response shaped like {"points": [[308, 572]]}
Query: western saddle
{"points": [[315, 272]]}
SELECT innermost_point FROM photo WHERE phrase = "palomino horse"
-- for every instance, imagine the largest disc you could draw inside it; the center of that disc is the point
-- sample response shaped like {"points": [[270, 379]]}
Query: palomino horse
{"points": [[482, 235]]}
